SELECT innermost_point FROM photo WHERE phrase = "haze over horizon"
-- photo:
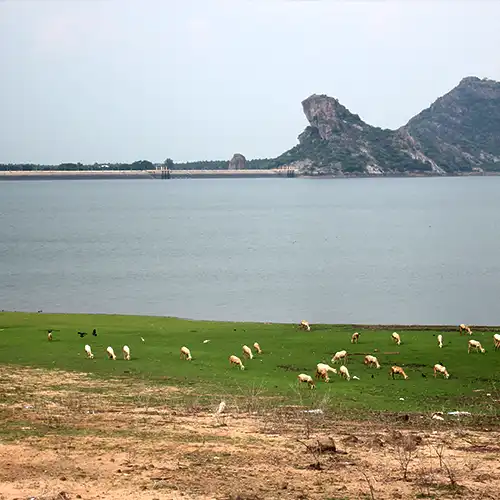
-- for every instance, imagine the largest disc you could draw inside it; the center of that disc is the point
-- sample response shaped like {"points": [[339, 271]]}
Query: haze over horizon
{"points": [[121, 80]]}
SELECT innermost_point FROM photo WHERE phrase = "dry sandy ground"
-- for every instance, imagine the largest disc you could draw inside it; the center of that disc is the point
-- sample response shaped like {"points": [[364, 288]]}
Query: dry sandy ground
{"points": [[65, 436]]}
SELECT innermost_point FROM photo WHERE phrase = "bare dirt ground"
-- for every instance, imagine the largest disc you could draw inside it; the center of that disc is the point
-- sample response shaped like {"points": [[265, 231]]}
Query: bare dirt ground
{"points": [[66, 436]]}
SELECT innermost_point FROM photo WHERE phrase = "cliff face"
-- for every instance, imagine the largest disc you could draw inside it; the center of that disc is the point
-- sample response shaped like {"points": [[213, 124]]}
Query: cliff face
{"points": [[462, 128], [459, 132]]}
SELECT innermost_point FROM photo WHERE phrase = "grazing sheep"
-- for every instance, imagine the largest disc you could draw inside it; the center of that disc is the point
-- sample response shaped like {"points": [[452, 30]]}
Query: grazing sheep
{"points": [[441, 369], [496, 341], [476, 345], [111, 353], [257, 347], [221, 408], [234, 360], [322, 370], [304, 325], [344, 372], [49, 336], [306, 379], [247, 352], [126, 352], [396, 338], [355, 338], [185, 353], [464, 329], [371, 361], [440, 341], [88, 351], [398, 370], [340, 355]]}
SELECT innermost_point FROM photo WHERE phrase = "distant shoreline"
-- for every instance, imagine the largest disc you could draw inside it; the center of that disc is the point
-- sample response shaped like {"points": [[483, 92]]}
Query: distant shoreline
{"points": [[18, 175], [134, 174], [445, 327]]}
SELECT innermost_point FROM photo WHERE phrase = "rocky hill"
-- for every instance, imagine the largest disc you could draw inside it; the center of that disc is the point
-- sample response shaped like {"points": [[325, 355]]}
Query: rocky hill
{"points": [[458, 133]]}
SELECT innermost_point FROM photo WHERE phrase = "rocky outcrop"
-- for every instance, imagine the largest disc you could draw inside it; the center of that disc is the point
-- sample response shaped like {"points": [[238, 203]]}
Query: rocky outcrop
{"points": [[237, 162], [458, 133], [461, 130]]}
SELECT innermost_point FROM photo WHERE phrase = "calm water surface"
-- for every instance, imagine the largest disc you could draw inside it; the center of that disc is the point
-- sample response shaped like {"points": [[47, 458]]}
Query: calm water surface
{"points": [[340, 250]]}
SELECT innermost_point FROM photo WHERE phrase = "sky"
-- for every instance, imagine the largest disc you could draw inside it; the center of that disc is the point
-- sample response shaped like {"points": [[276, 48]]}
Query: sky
{"points": [[125, 80]]}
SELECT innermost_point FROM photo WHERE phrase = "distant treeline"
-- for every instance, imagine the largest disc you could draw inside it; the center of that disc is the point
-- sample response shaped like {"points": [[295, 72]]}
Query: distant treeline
{"points": [[264, 163]]}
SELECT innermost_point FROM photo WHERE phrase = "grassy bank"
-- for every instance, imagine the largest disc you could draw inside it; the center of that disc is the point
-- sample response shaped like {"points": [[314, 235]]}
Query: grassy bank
{"points": [[288, 351]]}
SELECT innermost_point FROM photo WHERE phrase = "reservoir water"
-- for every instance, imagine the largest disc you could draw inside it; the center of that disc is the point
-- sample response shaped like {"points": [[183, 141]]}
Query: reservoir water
{"points": [[398, 250]]}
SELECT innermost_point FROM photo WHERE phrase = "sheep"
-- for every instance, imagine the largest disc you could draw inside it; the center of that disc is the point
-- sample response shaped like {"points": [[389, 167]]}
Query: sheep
{"points": [[440, 341], [234, 360], [257, 347], [49, 336], [322, 370], [464, 329], [398, 370], [306, 379], [441, 369], [496, 341], [371, 360], [88, 351], [304, 325], [340, 355], [355, 338], [396, 338], [476, 345], [111, 353], [126, 352], [344, 372], [247, 352], [185, 353]]}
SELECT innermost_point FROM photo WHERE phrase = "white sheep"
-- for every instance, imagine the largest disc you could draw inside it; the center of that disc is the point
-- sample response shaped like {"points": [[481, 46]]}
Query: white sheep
{"points": [[234, 360], [126, 352], [355, 338], [306, 379], [340, 356], [395, 336], [440, 340], [496, 341], [322, 370], [304, 325], [371, 361], [397, 370], [247, 352], [111, 353], [185, 353], [257, 347], [475, 345], [464, 329], [344, 372], [88, 351], [441, 369]]}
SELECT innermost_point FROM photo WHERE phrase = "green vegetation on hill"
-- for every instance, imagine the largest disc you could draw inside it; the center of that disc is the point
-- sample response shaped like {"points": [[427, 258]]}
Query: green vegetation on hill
{"points": [[287, 351]]}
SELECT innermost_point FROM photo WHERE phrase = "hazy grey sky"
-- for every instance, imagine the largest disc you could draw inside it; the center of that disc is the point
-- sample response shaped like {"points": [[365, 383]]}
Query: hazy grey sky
{"points": [[122, 80]]}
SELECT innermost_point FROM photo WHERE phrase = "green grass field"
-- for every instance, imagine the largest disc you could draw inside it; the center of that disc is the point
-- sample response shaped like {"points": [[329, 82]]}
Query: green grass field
{"points": [[287, 351]]}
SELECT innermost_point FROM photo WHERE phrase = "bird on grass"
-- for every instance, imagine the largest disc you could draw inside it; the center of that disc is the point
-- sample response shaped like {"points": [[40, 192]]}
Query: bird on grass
{"points": [[94, 333], [82, 334]]}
